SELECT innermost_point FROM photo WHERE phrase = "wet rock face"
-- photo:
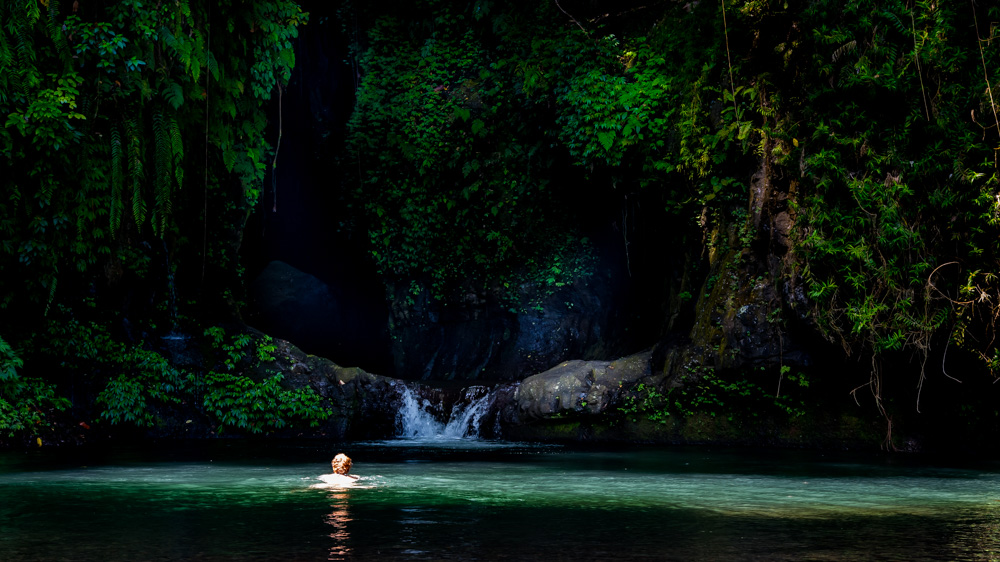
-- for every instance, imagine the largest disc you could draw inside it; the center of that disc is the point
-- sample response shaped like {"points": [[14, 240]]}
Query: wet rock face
{"points": [[362, 405], [458, 342], [478, 339], [320, 318], [752, 295], [745, 326], [475, 339], [571, 323]]}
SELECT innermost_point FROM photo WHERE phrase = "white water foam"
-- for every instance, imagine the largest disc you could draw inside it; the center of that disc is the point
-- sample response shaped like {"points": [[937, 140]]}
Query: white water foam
{"points": [[416, 421]]}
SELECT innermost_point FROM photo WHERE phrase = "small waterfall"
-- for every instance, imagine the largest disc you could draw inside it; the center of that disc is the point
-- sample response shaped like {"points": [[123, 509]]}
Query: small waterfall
{"points": [[416, 420], [467, 415]]}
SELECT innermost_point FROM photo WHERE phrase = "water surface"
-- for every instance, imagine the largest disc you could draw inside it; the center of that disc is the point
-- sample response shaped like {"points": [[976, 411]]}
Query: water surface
{"points": [[463, 499]]}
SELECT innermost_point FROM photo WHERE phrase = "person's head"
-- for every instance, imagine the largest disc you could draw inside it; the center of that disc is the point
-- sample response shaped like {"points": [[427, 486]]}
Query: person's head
{"points": [[341, 464]]}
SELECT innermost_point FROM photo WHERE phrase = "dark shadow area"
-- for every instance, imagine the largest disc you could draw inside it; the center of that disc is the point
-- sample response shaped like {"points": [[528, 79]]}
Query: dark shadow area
{"points": [[301, 222]]}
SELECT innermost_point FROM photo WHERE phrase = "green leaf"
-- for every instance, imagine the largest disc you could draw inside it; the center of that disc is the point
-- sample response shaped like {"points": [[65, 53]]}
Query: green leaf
{"points": [[173, 94], [607, 139]]}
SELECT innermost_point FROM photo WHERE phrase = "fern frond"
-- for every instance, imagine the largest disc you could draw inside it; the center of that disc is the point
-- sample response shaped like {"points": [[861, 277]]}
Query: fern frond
{"points": [[177, 150], [138, 204], [116, 180], [53, 283], [168, 38], [892, 54], [54, 26], [135, 171], [161, 144], [228, 157], [213, 66], [32, 12], [897, 23], [8, 78], [163, 158], [174, 94], [6, 56], [27, 74], [185, 11], [939, 318], [844, 49]]}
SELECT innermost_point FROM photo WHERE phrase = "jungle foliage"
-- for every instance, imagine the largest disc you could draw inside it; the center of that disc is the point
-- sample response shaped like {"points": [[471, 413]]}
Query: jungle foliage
{"points": [[875, 123], [133, 150], [479, 129], [452, 171]]}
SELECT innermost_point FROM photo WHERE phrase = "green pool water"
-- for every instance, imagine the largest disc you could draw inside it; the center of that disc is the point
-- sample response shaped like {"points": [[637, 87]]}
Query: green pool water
{"points": [[471, 500]]}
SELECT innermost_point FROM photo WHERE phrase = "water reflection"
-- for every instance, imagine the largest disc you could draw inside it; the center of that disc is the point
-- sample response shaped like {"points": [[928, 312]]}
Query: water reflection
{"points": [[338, 518], [977, 533]]}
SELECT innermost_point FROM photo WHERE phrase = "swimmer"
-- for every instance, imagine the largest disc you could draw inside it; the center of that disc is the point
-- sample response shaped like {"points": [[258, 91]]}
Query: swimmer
{"points": [[341, 465]]}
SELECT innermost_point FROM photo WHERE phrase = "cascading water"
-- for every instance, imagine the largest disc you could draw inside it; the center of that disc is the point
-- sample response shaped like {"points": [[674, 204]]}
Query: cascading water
{"points": [[466, 417], [416, 421]]}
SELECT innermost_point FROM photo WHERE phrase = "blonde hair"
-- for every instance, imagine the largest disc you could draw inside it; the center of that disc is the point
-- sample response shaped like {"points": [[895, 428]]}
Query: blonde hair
{"points": [[341, 464]]}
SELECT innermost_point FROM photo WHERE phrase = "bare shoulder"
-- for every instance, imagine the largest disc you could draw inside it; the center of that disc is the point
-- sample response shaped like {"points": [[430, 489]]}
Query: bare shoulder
{"points": [[338, 479]]}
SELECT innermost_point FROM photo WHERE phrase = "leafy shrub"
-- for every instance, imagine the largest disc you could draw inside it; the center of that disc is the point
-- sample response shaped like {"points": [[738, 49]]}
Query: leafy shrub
{"points": [[705, 392], [239, 402], [24, 402]]}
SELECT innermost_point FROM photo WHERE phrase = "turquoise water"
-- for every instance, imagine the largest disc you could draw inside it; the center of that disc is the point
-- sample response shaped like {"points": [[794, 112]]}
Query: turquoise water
{"points": [[472, 500]]}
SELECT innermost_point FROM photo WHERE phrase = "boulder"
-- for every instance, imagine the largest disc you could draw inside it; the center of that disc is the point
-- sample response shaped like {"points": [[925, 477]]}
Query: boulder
{"points": [[587, 388], [362, 405]]}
